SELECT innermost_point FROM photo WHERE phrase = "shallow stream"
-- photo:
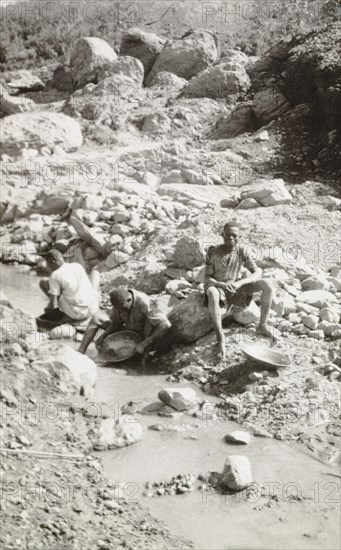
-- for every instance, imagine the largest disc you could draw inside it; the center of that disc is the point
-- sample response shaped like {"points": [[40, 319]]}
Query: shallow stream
{"points": [[210, 520]]}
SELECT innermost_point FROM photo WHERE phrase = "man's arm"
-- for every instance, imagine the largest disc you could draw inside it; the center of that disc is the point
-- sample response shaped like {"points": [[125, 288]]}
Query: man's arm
{"points": [[251, 265], [154, 337], [54, 291], [114, 324]]}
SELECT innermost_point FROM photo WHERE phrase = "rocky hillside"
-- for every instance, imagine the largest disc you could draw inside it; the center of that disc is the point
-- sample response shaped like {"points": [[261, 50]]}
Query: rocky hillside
{"points": [[130, 157]]}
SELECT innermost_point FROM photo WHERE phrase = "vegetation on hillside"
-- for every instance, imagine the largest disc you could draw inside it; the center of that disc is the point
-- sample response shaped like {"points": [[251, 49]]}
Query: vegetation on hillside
{"points": [[35, 33]]}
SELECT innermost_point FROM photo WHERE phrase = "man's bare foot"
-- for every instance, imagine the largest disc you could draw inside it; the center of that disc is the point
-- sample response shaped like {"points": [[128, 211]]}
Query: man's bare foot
{"points": [[221, 350], [268, 331]]}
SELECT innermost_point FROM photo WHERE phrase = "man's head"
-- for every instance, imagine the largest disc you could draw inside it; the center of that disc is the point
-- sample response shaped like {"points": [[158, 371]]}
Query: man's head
{"points": [[121, 299], [231, 234], [54, 259]]}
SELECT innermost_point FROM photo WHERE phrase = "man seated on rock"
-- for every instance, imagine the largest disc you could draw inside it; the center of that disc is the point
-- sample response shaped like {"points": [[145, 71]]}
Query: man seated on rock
{"points": [[223, 287], [73, 295], [131, 310]]}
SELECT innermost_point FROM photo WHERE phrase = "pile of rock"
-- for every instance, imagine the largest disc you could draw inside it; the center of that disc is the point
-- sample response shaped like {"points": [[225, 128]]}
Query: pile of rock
{"points": [[272, 193], [178, 485]]}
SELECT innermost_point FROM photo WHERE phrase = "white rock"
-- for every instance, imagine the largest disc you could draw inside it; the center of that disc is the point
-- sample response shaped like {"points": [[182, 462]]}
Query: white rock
{"points": [[247, 204], [90, 235], [148, 178], [165, 79], [248, 315], [335, 283], [142, 45], [329, 328], [88, 57], [10, 105], [311, 321], [82, 369], [269, 104], [317, 298], [38, 130], [317, 334], [296, 318], [237, 473], [25, 81], [306, 308], [218, 82], [330, 315], [271, 194], [238, 436], [262, 136], [112, 433], [180, 399], [254, 376], [115, 258], [187, 56], [318, 282], [175, 285], [63, 331], [173, 176], [125, 65], [199, 178]]}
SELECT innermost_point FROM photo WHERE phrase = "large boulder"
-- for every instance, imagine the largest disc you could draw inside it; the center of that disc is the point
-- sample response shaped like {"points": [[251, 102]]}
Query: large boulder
{"points": [[62, 79], [317, 298], [81, 368], [11, 105], [218, 82], [51, 203], [115, 434], [234, 56], [188, 56], [247, 315], [108, 102], [237, 473], [125, 65], [316, 282], [271, 194], [143, 45], [180, 399], [25, 81], [190, 320], [269, 104], [239, 121], [15, 323], [37, 130], [188, 253], [90, 235], [88, 57], [165, 79]]}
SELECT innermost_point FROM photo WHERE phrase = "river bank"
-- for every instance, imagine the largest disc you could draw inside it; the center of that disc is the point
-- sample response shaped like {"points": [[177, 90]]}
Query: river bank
{"points": [[89, 502]]}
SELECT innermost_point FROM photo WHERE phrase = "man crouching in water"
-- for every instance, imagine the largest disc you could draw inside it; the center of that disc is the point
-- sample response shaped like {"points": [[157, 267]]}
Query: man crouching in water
{"points": [[223, 288], [132, 310]]}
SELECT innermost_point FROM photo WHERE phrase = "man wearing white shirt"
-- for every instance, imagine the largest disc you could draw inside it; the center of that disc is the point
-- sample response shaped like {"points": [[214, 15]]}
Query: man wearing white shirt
{"points": [[72, 294]]}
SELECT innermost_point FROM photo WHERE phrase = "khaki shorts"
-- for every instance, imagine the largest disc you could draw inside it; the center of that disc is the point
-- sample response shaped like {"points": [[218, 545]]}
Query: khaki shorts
{"points": [[241, 298]]}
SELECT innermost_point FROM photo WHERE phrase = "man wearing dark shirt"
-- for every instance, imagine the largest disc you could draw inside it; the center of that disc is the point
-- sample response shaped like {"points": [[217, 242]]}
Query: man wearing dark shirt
{"points": [[224, 288], [131, 310]]}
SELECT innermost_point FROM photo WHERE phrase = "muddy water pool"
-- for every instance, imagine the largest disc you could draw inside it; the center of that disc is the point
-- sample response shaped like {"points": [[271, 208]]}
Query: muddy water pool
{"points": [[210, 520]]}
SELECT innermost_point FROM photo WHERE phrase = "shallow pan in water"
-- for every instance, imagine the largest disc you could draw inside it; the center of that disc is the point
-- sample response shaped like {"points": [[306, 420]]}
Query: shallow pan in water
{"points": [[266, 357], [120, 346]]}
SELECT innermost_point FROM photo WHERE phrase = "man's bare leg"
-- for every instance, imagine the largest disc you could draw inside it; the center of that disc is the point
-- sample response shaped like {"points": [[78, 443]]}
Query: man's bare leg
{"points": [[99, 320], [214, 309], [266, 288]]}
